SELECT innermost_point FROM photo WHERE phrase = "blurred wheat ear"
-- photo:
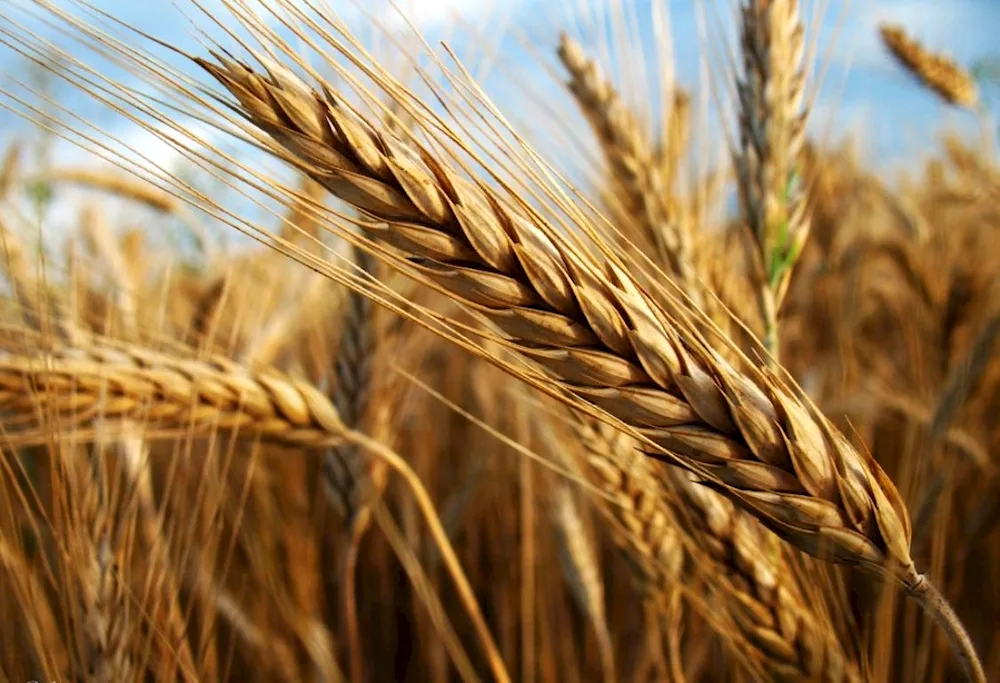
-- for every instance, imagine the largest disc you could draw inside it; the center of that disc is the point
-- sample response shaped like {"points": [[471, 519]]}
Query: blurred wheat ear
{"points": [[937, 72]]}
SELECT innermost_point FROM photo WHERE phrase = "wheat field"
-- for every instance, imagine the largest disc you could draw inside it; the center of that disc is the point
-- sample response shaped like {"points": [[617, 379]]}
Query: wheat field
{"points": [[388, 381]]}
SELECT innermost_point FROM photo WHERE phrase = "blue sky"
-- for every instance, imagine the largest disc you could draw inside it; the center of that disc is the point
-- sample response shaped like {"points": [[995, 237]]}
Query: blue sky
{"points": [[864, 94], [863, 91]]}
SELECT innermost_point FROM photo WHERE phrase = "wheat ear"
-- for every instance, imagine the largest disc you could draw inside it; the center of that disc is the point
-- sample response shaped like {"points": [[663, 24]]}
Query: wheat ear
{"points": [[770, 92], [95, 557], [636, 172], [100, 381], [345, 469], [777, 630], [604, 339], [753, 435], [937, 72]]}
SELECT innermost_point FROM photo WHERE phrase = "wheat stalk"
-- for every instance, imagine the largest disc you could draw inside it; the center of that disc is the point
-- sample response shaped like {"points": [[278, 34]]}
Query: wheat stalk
{"points": [[938, 72], [41, 623], [121, 185], [581, 566], [753, 435]]}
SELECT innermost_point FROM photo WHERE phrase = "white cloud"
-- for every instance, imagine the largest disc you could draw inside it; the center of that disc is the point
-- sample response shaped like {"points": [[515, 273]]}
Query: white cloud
{"points": [[424, 15], [428, 16]]}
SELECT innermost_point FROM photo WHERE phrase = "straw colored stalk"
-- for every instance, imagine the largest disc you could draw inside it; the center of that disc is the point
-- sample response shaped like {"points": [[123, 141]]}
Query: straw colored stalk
{"points": [[770, 92], [582, 569], [121, 383], [937, 72], [636, 172], [41, 626], [10, 169], [753, 435], [118, 184]]}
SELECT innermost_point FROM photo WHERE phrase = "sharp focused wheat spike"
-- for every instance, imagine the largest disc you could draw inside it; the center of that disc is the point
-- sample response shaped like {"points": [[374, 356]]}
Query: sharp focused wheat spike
{"points": [[754, 436], [938, 72], [601, 336]]}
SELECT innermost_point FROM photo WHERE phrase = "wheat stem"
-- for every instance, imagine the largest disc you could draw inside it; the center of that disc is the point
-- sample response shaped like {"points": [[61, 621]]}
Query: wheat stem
{"points": [[937, 606]]}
